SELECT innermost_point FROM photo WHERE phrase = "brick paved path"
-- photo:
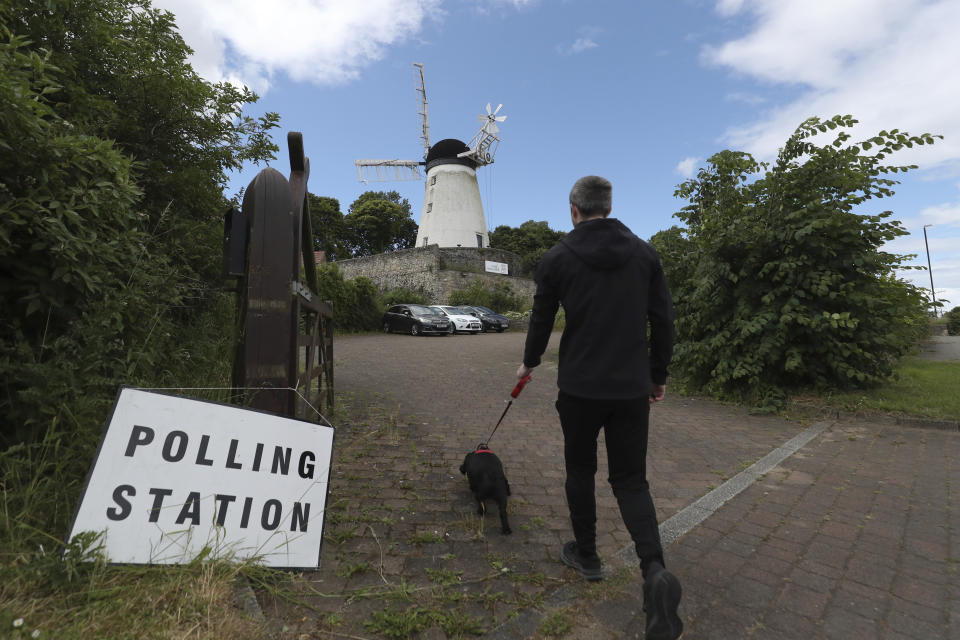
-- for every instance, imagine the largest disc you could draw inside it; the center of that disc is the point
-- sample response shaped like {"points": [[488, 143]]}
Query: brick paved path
{"points": [[855, 536], [850, 537], [455, 389]]}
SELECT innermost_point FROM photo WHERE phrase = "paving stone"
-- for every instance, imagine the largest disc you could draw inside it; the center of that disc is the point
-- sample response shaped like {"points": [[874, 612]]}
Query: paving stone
{"points": [[849, 537]]}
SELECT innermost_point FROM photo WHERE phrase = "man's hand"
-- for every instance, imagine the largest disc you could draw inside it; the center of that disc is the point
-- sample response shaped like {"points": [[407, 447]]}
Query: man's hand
{"points": [[523, 371], [659, 390]]}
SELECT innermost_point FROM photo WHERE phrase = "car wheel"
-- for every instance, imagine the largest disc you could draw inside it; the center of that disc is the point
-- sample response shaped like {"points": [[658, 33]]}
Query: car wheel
{"points": [[499, 330], [386, 327], [452, 330], [414, 329]]}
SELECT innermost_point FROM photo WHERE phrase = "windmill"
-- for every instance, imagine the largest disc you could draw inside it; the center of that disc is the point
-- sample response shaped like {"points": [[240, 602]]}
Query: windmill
{"points": [[452, 213]]}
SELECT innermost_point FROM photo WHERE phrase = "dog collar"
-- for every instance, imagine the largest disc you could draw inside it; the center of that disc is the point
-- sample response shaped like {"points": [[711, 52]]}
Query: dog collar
{"points": [[483, 451]]}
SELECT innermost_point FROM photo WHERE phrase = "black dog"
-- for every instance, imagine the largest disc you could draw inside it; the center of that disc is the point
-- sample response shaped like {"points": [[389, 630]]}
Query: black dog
{"points": [[487, 480]]}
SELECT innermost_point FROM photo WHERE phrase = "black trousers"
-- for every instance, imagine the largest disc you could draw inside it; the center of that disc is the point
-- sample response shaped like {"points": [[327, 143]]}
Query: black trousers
{"points": [[625, 424]]}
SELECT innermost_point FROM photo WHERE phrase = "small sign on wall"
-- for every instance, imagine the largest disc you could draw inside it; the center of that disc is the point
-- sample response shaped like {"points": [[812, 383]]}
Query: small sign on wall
{"points": [[174, 476], [496, 267]]}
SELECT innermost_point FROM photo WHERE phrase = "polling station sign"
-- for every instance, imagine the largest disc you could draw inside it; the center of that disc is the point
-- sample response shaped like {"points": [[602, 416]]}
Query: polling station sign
{"points": [[175, 475]]}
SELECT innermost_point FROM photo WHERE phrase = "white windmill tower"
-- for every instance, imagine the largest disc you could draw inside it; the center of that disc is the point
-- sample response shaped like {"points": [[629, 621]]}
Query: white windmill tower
{"points": [[452, 213]]}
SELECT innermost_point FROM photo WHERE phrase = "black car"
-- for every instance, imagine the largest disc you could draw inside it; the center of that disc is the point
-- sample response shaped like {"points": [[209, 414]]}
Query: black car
{"points": [[490, 319], [415, 319]]}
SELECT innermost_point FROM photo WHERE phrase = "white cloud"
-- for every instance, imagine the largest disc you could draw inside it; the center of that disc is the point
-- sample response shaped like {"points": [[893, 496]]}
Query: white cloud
{"points": [[687, 167], [582, 44], [891, 66], [943, 240], [942, 214], [586, 41], [319, 41], [729, 7], [751, 99]]}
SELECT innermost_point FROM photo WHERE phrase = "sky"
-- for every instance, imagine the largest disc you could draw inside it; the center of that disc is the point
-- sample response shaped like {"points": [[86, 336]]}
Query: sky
{"points": [[641, 92]]}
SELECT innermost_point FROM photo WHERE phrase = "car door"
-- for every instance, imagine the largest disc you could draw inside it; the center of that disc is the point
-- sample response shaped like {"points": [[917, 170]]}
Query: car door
{"points": [[395, 318], [405, 320]]}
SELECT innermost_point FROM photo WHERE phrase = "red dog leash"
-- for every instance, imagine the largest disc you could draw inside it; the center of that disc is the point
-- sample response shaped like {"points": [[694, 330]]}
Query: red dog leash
{"points": [[513, 394]]}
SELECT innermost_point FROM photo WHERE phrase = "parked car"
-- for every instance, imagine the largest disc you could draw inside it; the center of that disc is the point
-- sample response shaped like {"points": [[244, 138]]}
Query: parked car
{"points": [[460, 319], [415, 319], [490, 319]]}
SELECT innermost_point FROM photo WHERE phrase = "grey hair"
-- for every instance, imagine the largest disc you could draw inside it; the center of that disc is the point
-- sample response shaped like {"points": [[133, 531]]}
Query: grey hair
{"points": [[592, 195]]}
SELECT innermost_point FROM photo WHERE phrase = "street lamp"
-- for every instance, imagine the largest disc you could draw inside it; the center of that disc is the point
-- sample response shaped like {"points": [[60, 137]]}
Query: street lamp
{"points": [[930, 269]]}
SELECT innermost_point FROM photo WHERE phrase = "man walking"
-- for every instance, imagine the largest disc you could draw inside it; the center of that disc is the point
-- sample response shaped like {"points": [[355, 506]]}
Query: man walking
{"points": [[611, 286]]}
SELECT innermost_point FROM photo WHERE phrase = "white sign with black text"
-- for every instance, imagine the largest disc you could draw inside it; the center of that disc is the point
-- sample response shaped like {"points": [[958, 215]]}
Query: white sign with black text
{"points": [[174, 476], [496, 267]]}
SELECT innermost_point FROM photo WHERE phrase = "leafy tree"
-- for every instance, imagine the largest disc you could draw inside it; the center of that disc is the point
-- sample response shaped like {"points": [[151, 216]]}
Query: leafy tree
{"points": [[379, 221], [530, 241], [675, 249], [782, 283], [329, 229], [953, 321], [113, 163]]}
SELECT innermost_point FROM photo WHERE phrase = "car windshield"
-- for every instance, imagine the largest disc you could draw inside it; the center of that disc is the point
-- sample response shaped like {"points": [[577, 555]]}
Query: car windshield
{"points": [[467, 311], [485, 310], [424, 311], [450, 311]]}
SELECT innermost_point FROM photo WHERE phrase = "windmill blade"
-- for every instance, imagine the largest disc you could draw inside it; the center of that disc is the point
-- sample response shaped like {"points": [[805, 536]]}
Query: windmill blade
{"points": [[422, 108], [500, 118], [482, 118], [492, 128], [499, 106], [488, 108]]}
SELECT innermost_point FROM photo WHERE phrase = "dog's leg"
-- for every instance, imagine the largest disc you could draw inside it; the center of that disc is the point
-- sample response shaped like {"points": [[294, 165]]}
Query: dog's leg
{"points": [[504, 523], [481, 508]]}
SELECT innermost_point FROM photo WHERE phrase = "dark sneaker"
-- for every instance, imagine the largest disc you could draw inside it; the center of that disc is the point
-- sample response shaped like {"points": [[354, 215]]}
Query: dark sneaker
{"points": [[588, 566], [661, 597]]}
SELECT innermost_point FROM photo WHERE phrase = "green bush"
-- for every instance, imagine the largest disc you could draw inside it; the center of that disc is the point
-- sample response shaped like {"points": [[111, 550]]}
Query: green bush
{"points": [[500, 298], [953, 321], [356, 303], [781, 279], [109, 211]]}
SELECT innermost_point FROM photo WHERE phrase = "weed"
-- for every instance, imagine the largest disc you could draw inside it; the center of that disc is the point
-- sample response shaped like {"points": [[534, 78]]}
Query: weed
{"points": [[339, 536], [536, 578], [443, 576], [404, 624], [350, 570], [402, 591], [400, 624], [426, 537], [557, 624], [448, 596], [457, 624]]}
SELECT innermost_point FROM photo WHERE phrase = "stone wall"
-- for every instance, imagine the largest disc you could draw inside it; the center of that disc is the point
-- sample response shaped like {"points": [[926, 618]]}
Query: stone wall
{"points": [[437, 272], [473, 259]]}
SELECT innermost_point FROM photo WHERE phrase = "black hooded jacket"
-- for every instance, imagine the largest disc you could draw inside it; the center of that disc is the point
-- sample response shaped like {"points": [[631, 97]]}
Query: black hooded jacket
{"points": [[611, 284]]}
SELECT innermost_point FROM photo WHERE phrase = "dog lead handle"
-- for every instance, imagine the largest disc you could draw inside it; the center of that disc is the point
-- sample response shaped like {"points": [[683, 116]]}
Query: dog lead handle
{"points": [[520, 385]]}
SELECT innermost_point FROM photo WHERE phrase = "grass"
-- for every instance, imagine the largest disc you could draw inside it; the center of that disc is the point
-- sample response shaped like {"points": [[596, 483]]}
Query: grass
{"points": [[557, 624], [923, 388], [58, 590]]}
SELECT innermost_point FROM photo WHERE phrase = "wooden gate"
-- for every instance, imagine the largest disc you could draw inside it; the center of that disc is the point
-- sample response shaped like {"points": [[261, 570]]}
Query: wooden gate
{"points": [[283, 361]]}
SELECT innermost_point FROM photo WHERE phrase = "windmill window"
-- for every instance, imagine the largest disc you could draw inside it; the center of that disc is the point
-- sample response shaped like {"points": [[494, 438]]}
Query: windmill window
{"points": [[433, 180], [480, 241], [425, 239], [429, 207]]}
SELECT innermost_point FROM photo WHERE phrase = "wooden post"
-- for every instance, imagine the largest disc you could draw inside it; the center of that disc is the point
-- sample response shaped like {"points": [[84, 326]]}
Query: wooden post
{"points": [[275, 361]]}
